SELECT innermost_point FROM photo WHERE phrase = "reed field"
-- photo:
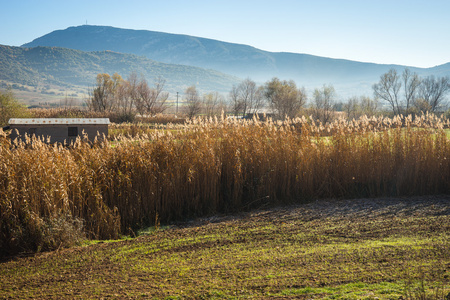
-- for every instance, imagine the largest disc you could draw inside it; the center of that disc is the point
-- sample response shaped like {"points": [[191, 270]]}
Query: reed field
{"points": [[53, 195]]}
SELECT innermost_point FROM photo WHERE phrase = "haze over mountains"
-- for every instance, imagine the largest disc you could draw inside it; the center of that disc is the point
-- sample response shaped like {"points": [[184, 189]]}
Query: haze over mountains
{"points": [[348, 77], [65, 67]]}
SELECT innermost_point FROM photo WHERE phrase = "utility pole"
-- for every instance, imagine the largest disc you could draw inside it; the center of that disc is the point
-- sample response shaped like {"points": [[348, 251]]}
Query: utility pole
{"points": [[177, 104]]}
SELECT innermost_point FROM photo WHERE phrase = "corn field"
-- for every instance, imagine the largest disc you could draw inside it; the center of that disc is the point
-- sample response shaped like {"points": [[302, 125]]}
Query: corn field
{"points": [[52, 195]]}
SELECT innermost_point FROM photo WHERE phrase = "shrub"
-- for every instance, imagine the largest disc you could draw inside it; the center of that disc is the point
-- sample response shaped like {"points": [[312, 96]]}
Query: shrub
{"points": [[10, 108]]}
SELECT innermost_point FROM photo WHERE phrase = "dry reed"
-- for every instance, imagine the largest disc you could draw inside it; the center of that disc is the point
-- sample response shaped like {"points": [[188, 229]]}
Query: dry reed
{"points": [[219, 165]]}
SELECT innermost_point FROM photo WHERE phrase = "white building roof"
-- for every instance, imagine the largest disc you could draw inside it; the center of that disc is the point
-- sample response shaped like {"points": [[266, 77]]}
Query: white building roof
{"points": [[61, 121]]}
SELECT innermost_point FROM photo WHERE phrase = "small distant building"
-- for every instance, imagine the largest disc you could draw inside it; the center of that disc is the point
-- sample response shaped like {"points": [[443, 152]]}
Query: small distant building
{"points": [[59, 130], [259, 116]]}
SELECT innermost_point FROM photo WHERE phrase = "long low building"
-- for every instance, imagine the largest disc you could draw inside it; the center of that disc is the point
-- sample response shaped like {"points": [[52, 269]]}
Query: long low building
{"points": [[57, 130]]}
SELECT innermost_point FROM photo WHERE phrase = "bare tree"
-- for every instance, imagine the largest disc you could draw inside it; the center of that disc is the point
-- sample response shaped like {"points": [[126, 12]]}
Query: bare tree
{"points": [[151, 100], [356, 107], [193, 103], [222, 106], [257, 100], [432, 93], [388, 89], [351, 108], [235, 101], [368, 106], [159, 95], [250, 96], [125, 93], [144, 99], [284, 98], [211, 103], [411, 83], [323, 105], [246, 90]]}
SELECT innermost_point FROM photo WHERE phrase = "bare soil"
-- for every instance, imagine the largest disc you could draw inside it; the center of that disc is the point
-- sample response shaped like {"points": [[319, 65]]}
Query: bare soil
{"points": [[185, 260]]}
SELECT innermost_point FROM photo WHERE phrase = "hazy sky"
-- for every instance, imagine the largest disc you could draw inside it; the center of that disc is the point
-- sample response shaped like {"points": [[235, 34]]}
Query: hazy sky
{"points": [[405, 32]]}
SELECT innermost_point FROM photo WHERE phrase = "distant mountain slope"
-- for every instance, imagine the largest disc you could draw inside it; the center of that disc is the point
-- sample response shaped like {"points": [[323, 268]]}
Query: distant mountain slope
{"points": [[235, 59], [61, 66], [164, 47]]}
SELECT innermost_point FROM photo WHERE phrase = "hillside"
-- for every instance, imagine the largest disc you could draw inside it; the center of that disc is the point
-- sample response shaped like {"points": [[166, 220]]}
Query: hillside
{"points": [[349, 77], [66, 67]]}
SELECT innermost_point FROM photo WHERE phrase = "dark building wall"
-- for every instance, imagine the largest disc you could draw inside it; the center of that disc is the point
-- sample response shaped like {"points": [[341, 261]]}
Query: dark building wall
{"points": [[59, 133]]}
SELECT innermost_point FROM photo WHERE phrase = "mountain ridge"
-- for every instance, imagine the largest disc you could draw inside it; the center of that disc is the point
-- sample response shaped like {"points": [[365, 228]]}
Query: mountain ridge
{"points": [[98, 38], [349, 77]]}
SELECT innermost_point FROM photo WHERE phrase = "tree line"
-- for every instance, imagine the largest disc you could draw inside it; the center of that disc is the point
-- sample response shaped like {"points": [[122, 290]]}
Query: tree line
{"points": [[127, 96], [403, 93], [282, 98], [134, 95], [408, 93]]}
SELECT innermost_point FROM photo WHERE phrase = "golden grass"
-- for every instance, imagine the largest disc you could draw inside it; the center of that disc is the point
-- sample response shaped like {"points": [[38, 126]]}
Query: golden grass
{"points": [[173, 172]]}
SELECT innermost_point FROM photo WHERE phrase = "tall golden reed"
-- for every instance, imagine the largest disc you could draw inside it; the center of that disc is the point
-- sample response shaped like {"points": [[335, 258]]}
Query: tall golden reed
{"points": [[209, 166]]}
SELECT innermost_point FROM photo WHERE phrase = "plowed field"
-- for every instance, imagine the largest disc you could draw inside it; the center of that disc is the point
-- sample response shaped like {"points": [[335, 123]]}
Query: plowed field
{"points": [[352, 249]]}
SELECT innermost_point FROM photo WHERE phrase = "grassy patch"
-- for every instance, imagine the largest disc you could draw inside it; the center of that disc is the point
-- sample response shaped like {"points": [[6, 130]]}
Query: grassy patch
{"points": [[306, 252]]}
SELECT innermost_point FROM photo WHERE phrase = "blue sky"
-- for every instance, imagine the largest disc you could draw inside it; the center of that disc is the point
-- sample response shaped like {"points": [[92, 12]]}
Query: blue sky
{"points": [[413, 32]]}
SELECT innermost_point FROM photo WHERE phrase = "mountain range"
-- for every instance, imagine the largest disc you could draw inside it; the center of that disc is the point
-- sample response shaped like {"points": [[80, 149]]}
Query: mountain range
{"points": [[184, 60], [68, 67]]}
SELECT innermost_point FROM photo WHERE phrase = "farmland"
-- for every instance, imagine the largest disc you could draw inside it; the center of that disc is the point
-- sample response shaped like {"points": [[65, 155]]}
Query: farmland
{"points": [[388, 248]]}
